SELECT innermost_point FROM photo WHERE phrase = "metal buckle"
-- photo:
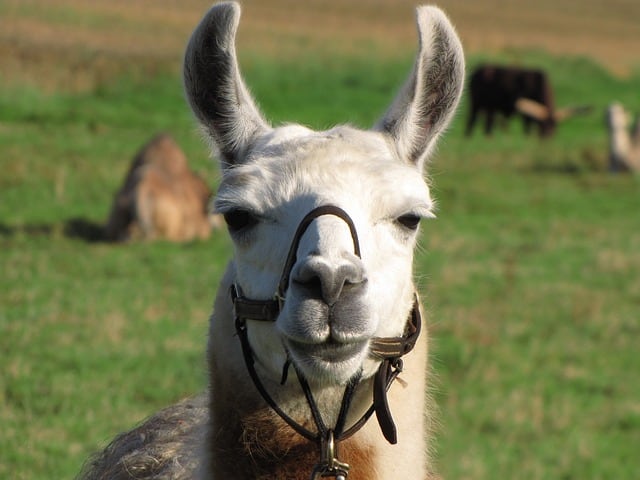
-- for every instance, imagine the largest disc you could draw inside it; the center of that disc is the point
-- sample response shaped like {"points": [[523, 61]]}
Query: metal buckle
{"points": [[329, 465], [278, 297], [240, 323]]}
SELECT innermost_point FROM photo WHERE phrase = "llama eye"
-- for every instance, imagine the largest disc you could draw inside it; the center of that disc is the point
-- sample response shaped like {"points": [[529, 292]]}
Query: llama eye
{"points": [[239, 219], [409, 221]]}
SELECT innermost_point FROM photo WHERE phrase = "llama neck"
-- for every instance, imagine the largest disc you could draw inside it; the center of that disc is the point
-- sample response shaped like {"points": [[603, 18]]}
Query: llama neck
{"points": [[248, 440]]}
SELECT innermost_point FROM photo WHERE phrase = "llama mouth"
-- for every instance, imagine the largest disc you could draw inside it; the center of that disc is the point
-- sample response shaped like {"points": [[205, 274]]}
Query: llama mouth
{"points": [[330, 351]]}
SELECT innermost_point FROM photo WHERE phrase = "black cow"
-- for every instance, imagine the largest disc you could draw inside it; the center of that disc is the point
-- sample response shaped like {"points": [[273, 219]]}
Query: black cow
{"points": [[500, 90]]}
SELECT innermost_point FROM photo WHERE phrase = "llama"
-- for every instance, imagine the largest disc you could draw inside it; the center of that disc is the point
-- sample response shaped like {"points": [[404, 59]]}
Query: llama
{"points": [[506, 90], [329, 221], [161, 197], [624, 143], [495, 89]]}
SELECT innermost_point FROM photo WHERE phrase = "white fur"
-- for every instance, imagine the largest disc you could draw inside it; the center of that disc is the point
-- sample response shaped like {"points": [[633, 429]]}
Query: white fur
{"points": [[358, 174]]}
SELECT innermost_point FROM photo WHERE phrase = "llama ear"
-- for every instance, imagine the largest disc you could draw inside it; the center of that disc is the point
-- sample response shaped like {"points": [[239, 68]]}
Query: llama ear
{"points": [[215, 90], [426, 103]]}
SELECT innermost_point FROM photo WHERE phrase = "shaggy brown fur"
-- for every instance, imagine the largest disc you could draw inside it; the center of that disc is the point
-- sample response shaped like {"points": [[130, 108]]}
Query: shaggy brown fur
{"points": [[282, 454], [161, 197], [274, 451], [160, 448]]}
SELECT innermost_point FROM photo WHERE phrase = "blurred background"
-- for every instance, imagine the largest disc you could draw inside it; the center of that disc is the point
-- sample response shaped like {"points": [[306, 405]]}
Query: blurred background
{"points": [[530, 274]]}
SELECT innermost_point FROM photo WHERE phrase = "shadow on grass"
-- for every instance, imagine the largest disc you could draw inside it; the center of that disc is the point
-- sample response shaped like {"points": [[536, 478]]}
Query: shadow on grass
{"points": [[79, 228], [585, 160]]}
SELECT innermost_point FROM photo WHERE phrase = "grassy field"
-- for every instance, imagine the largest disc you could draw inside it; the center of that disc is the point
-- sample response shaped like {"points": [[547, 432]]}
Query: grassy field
{"points": [[530, 273]]}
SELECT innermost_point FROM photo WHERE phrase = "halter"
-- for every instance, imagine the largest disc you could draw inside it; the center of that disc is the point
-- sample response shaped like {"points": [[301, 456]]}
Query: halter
{"points": [[388, 350]]}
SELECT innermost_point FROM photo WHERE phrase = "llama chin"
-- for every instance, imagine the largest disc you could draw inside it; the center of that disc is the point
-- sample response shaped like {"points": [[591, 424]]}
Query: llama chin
{"points": [[329, 362]]}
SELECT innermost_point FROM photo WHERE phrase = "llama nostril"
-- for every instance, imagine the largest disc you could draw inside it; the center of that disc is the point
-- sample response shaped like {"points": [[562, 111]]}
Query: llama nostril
{"points": [[322, 281], [312, 286]]}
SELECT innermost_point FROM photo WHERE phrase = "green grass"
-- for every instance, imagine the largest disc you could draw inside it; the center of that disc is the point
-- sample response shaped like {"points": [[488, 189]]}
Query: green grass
{"points": [[530, 275]]}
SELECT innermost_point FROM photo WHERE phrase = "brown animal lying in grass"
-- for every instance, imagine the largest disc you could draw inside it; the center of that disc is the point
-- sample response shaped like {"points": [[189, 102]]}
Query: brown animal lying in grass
{"points": [[161, 197]]}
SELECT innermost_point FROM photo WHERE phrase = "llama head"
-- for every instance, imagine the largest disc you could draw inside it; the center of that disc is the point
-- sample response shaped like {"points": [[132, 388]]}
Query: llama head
{"points": [[336, 301]]}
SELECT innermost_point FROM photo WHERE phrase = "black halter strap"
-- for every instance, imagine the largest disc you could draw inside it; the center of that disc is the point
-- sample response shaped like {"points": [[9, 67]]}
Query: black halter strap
{"points": [[268, 310], [388, 350]]}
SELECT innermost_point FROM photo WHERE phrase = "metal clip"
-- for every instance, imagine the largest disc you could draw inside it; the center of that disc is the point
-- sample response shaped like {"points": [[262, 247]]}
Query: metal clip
{"points": [[279, 298], [240, 323], [329, 465]]}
